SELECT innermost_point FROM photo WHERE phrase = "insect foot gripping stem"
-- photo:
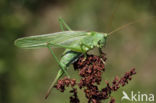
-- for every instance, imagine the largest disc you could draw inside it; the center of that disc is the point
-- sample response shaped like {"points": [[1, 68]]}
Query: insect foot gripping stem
{"points": [[90, 72]]}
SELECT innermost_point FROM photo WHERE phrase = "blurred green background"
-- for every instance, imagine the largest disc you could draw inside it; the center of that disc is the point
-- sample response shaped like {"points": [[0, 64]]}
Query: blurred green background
{"points": [[25, 75]]}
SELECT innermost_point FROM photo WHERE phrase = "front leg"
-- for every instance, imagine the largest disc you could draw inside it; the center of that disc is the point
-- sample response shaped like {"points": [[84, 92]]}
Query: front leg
{"points": [[84, 49], [101, 55], [100, 51]]}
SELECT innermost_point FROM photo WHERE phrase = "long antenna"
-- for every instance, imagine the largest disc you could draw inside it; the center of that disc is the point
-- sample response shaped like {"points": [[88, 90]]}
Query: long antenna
{"points": [[124, 26], [112, 16]]}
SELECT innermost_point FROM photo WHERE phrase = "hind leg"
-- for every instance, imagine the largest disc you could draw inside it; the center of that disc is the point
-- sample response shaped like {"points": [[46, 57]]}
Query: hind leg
{"points": [[62, 23], [63, 69]]}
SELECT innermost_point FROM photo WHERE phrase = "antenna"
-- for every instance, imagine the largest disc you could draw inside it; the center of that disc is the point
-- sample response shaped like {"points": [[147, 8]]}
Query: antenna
{"points": [[112, 16], [124, 26]]}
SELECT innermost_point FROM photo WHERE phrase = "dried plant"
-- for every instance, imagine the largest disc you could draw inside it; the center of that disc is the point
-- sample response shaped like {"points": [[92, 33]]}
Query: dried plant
{"points": [[90, 69]]}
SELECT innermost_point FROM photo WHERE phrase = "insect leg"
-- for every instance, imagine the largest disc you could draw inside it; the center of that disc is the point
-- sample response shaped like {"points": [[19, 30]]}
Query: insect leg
{"points": [[101, 53], [85, 45], [57, 60], [84, 51], [58, 76], [61, 25], [62, 22]]}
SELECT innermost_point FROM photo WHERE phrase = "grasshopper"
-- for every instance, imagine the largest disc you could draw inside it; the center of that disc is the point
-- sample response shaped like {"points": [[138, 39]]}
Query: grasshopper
{"points": [[76, 43]]}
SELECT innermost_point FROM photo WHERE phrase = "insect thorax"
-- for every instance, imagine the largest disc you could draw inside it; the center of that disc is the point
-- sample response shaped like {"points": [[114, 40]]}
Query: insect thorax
{"points": [[95, 39]]}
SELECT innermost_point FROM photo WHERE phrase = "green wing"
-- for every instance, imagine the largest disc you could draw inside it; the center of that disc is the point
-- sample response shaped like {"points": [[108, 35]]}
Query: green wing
{"points": [[59, 39]]}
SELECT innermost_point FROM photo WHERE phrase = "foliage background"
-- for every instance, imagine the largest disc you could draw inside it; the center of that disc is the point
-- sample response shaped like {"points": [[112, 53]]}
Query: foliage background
{"points": [[25, 75]]}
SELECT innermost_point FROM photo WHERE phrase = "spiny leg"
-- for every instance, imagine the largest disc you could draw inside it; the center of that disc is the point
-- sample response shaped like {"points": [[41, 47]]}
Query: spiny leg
{"points": [[63, 69], [62, 22], [58, 76]]}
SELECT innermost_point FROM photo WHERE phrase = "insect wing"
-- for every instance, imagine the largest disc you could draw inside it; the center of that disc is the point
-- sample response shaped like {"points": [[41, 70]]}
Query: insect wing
{"points": [[64, 38]]}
